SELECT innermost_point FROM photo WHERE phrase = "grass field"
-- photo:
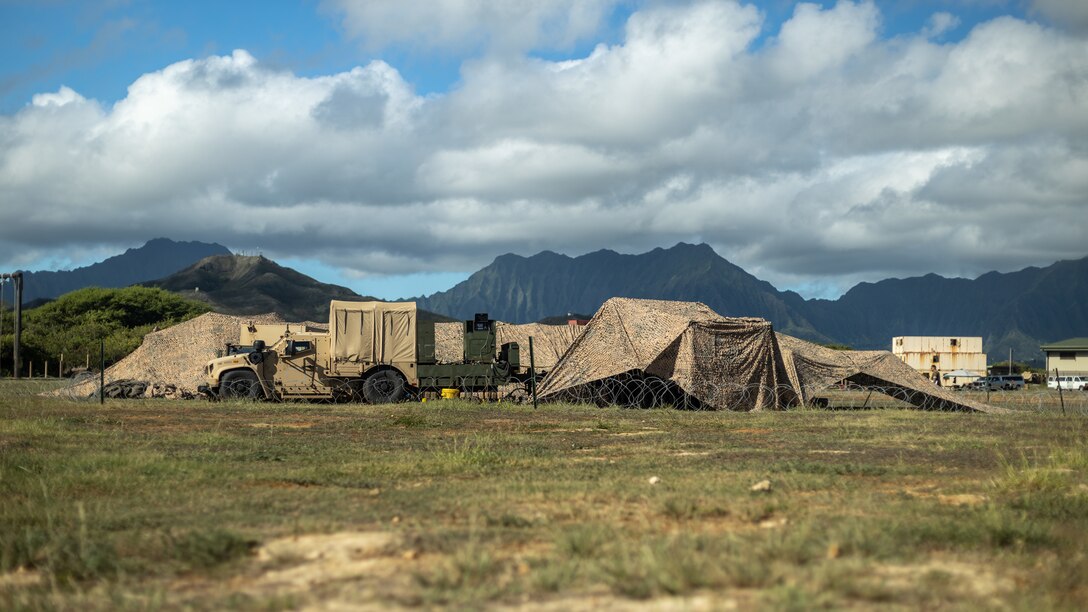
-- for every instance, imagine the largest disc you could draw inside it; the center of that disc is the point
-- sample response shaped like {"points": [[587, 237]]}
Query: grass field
{"points": [[160, 504]]}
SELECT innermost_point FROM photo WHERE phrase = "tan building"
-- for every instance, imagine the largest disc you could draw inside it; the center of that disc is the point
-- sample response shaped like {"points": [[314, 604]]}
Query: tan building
{"points": [[943, 355], [1068, 356]]}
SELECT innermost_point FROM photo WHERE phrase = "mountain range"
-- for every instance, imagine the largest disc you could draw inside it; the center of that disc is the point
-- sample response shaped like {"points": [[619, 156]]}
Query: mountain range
{"points": [[155, 259], [249, 285], [523, 289], [1017, 310]]}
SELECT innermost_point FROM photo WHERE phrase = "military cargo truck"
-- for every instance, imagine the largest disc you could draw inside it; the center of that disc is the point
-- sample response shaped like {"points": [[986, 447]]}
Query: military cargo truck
{"points": [[377, 351]]}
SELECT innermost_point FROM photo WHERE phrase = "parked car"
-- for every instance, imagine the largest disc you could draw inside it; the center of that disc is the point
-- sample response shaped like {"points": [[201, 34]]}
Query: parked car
{"points": [[1076, 383], [999, 383]]}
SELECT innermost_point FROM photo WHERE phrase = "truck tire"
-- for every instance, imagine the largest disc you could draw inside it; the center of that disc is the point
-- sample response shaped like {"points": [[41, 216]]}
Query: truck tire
{"points": [[240, 384], [385, 387]]}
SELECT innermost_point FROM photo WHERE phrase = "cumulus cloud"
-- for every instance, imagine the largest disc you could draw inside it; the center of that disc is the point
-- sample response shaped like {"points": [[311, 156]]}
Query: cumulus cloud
{"points": [[939, 24], [817, 151], [815, 40]]}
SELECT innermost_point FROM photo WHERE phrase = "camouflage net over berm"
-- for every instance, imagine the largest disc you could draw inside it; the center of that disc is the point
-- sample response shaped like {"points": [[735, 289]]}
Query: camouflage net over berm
{"points": [[170, 362], [635, 349]]}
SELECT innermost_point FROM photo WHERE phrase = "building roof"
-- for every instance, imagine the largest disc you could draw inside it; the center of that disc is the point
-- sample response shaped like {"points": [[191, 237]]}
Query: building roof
{"points": [[1072, 344]]}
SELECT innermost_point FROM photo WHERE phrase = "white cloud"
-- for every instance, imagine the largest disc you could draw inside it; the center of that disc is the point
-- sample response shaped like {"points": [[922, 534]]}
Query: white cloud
{"points": [[939, 24], [816, 40], [826, 152], [63, 96]]}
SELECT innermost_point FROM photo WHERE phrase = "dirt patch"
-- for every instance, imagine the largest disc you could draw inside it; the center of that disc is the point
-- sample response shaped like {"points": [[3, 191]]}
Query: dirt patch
{"points": [[282, 425], [970, 581], [962, 499], [608, 601], [370, 563], [21, 577]]}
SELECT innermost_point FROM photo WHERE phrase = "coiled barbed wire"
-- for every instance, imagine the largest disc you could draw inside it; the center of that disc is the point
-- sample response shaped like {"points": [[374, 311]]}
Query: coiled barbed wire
{"points": [[649, 392], [76, 389]]}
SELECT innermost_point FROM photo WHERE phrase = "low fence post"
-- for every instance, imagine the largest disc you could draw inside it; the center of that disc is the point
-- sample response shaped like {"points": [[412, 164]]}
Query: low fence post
{"points": [[1061, 398], [532, 370]]}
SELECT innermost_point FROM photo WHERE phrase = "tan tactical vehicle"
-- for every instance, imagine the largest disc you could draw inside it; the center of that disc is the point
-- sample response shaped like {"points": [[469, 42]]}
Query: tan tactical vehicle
{"points": [[379, 351]]}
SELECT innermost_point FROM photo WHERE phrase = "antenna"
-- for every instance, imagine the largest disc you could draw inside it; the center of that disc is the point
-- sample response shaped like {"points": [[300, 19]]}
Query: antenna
{"points": [[17, 279], [3, 285]]}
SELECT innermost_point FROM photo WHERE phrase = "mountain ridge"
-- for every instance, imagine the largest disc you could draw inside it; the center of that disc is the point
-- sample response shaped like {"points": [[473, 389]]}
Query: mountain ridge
{"points": [[521, 289], [253, 284], [157, 258], [1017, 310]]}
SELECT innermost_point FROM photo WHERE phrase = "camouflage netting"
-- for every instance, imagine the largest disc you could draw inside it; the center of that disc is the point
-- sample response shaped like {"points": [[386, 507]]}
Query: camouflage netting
{"points": [[815, 368], [638, 351], [549, 341], [449, 342], [171, 361]]}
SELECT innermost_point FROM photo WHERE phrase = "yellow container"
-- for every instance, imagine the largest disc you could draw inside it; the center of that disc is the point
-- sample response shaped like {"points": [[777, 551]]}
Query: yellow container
{"points": [[451, 393]]}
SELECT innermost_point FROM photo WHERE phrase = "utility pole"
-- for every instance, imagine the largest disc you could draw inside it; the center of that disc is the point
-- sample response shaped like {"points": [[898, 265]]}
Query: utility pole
{"points": [[17, 278]]}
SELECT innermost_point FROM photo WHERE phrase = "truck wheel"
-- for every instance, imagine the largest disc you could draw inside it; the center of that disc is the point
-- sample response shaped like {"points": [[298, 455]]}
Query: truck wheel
{"points": [[349, 391], [239, 384], [384, 387]]}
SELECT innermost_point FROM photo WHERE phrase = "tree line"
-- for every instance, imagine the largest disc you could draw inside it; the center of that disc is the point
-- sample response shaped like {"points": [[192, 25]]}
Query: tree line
{"points": [[76, 323]]}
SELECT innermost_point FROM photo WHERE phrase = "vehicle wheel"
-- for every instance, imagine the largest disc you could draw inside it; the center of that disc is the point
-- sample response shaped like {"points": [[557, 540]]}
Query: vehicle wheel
{"points": [[384, 387], [350, 391], [240, 384]]}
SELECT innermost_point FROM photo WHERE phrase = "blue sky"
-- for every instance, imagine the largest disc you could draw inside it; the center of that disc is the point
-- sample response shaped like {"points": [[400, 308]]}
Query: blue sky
{"points": [[913, 136], [99, 48]]}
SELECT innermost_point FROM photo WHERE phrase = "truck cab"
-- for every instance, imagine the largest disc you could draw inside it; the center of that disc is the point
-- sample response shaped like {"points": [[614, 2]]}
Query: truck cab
{"points": [[272, 365]]}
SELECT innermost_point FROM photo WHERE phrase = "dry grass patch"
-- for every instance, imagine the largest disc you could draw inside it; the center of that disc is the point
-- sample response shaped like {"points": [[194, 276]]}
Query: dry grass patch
{"points": [[454, 504]]}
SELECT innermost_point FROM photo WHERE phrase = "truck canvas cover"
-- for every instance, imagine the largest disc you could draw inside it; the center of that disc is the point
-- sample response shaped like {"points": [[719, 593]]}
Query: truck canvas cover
{"points": [[373, 332]]}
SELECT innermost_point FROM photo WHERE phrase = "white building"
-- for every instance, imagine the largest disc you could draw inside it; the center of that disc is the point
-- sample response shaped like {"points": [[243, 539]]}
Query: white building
{"points": [[941, 355]]}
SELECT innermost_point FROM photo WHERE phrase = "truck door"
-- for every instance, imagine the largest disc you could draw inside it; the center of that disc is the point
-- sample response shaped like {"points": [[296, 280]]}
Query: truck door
{"points": [[298, 370]]}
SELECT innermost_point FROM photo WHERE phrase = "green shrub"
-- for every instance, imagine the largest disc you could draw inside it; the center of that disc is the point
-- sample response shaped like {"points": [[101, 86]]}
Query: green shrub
{"points": [[76, 323]]}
